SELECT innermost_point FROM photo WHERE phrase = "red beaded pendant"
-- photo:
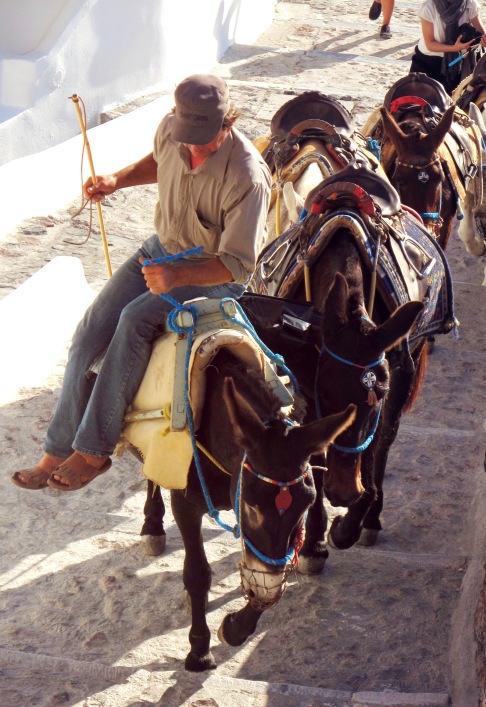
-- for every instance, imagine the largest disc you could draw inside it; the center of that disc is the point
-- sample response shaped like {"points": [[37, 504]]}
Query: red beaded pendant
{"points": [[283, 499]]}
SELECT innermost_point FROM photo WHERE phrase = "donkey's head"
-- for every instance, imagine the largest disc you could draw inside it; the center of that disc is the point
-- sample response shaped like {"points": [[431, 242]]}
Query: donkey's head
{"points": [[419, 175], [352, 368], [275, 489]]}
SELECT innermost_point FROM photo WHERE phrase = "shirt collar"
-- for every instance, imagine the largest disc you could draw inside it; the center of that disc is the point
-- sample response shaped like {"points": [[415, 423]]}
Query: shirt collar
{"points": [[215, 164]]}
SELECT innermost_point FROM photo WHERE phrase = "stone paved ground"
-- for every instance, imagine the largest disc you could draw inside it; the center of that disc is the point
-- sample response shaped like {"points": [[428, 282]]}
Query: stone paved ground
{"points": [[86, 620]]}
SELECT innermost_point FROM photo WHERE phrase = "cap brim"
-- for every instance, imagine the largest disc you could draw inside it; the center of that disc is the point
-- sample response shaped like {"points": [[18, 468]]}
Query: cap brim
{"points": [[192, 135]]}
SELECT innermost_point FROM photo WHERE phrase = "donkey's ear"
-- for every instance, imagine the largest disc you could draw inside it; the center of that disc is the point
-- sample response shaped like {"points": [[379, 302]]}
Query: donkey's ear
{"points": [[316, 436], [336, 306], [432, 142], [393, 130], [397, 326], [476, 115], [247, 426]]}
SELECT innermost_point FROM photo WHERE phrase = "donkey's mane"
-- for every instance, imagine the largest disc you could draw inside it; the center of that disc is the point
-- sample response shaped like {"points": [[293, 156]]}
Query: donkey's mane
{"points": [[251, 383]]}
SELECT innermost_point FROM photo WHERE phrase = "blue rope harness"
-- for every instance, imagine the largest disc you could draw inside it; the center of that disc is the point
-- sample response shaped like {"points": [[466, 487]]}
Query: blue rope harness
{"points": [[188, 332], [360, 448], [264, 558]]}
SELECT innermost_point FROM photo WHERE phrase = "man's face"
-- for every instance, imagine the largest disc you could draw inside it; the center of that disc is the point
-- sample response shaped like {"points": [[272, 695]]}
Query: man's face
{"points": [[203, 151]]}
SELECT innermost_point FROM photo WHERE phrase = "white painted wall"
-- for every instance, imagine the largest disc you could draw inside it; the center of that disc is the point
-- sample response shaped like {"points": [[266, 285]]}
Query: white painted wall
{"points": [[108, 52]]}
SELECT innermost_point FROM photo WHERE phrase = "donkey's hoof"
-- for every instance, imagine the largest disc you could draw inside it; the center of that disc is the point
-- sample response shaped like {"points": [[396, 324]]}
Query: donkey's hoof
{"points": [[368, 537], [339, 540], [198, 664], [228, 632], [311, 565], [153, 545]]}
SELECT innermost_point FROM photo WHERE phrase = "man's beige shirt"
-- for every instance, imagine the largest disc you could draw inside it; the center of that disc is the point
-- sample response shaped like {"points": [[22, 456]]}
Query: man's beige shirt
{"points": [[221, 205]]}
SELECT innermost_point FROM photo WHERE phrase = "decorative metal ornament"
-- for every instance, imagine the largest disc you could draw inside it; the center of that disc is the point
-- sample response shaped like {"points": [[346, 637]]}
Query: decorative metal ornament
{"points": [[423, 176], [368, 379]]}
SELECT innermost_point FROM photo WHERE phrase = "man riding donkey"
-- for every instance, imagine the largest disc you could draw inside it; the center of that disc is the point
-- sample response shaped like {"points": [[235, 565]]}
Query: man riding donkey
{"points": [[214, 192]]}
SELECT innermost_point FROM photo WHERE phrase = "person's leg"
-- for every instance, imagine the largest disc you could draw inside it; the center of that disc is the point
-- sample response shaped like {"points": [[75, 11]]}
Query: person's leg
{"points": [[375, 10], [388, 7], [90, 340], [429, 65], [124, 365], [123, 368]]}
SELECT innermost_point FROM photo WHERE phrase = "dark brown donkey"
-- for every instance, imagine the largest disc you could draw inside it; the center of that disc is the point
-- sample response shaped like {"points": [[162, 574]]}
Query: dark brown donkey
{"points": [[266, 479], [350, 345]]}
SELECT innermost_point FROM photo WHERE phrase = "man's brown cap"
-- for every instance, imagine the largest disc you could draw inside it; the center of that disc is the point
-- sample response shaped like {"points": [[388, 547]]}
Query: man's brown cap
{"points": [[201, 102]]}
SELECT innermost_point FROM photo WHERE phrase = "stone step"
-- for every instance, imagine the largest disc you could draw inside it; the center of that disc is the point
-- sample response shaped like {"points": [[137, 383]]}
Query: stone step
{"points": [[182, 689]]}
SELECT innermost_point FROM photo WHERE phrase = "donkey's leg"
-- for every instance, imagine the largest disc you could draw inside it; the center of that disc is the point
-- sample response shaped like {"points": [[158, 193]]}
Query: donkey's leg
{"points": [[314, 553], [153, 533], [197, 581], [402, 384]]}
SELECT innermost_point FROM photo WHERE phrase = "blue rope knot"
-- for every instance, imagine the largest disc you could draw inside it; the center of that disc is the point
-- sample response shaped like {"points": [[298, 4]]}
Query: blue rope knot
{"points": [[374, 147], [245, 323], [174, 313]]}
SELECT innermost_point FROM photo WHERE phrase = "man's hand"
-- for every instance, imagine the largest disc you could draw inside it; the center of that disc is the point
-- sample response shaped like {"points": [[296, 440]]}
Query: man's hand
{"points": [[160, 278], [104, 186]]}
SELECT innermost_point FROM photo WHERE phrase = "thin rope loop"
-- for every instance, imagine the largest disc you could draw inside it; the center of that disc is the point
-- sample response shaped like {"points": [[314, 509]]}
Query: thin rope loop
{"points": [[350, 363], [247, 325], [418, 166], [360, 448], [273, 481], [366, 443]]}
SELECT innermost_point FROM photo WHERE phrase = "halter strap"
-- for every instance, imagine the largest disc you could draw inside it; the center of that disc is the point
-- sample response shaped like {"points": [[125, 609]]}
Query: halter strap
{"points": [[292, 554], [366, 443], [418, 166], [369, 439], [350, 363], [433, 215], [272, 481]]}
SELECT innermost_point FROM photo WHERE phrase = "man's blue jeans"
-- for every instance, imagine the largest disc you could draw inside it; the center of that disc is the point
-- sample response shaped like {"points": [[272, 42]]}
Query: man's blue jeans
{"points": [[123, 321]]}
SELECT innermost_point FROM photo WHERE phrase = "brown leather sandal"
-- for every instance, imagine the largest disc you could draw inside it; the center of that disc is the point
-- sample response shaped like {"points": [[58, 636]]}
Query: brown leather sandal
{"points": [[72, 470], [36, 478]]}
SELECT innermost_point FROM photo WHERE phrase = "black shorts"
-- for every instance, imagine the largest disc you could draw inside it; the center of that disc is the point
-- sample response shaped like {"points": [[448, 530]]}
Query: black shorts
{"points": [[432, 66]]}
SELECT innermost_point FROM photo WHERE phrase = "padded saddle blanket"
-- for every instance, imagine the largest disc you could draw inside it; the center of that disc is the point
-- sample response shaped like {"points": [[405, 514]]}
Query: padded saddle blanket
{"points": [[311, 128], [166, 448], [410, 265], [473, 88]]}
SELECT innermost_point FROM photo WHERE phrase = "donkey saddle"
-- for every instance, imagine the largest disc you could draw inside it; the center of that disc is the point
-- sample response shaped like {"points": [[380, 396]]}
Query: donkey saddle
{"points": [[409, 264], [309, 116]]}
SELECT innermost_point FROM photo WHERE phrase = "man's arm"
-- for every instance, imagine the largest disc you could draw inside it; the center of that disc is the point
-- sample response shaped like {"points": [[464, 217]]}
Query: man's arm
{"points": [[164, 277], [142, 172]]}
